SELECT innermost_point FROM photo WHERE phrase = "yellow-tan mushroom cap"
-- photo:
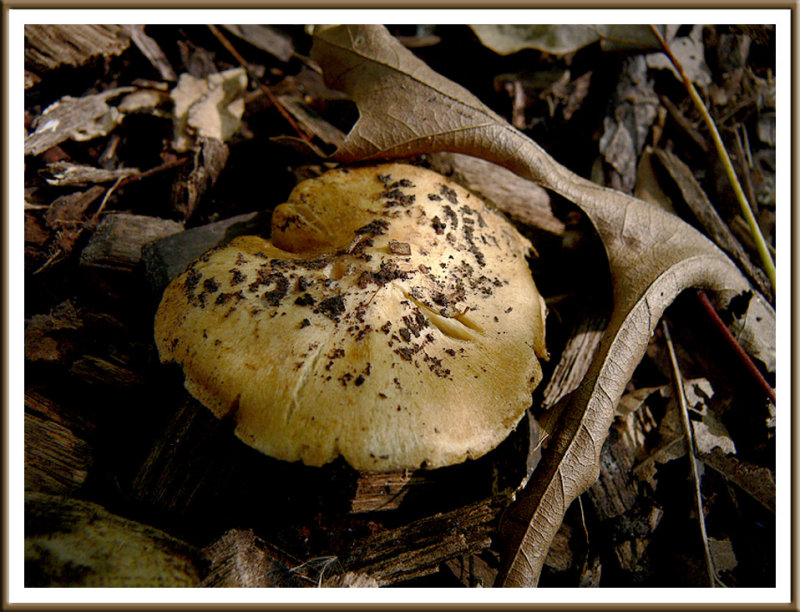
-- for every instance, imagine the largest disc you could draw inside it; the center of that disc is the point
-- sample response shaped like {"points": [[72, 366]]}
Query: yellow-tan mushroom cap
{"points": [[391, 319]]}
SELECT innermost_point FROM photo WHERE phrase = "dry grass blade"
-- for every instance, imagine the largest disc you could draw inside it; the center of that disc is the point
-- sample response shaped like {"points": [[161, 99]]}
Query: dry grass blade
{"points": [[747, 211], [677, 381]]}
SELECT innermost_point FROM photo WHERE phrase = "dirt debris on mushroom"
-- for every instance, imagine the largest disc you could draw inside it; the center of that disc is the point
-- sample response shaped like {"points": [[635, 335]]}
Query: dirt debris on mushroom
{"points": [[391, 319]]}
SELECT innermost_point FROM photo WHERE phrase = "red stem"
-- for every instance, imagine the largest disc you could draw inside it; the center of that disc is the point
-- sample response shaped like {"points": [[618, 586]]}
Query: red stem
{"points": [[740, 353]]}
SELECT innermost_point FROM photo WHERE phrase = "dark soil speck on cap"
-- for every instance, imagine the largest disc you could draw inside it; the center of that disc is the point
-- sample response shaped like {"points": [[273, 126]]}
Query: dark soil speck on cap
{"points": [[305, 300], [449, 194], [331, 307], [373, 228]]}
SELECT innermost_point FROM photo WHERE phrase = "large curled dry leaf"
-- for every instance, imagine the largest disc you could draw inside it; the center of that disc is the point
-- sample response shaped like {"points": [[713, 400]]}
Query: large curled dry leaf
{"points": [[408, 109]]}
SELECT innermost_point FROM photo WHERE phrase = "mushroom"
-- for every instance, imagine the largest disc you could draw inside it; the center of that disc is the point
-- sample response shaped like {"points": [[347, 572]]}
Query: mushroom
{"points": [[391, 319]]}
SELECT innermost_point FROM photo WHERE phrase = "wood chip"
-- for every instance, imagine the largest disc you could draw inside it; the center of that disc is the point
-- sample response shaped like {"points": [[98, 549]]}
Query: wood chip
{"points": [[45, 334], [49, 46], [576, 357], [99, 371], [151, 51], [56, 460], [474, 571], [78, 119], [117, 242], [210, 107], [38, 403], [417, 549], [380, 492], [72, 543], [311, 121], [167, 257], [240, 559], [352, 580], [210, 157], [65, 173]]}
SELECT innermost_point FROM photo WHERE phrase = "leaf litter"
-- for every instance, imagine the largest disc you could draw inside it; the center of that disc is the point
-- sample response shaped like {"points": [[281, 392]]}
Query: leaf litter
{"points": [[406, 109]]}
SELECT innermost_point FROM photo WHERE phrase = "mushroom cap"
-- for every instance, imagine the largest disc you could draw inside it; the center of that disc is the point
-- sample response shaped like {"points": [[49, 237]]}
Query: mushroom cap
{"points": [[391, 319]]}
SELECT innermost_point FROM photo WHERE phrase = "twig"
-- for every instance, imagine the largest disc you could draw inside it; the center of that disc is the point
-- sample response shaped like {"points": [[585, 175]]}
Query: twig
{"points": [[740, 353], [232, 50], [109, 191], [680, 395], [50, 260], [747, 211], [133, 178]]}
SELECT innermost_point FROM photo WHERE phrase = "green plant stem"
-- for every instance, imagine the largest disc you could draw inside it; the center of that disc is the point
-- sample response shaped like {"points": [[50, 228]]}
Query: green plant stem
{"points": [[747, 211]]}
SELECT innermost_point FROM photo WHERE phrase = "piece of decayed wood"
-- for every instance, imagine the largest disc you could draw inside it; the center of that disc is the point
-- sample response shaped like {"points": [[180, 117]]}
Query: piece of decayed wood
{"points": [[200, 477], [151, 51], [240, 559], [351, 580], [39, 404], [419, 548], [473, 570], [52, 45], [196, 178], [79, 119], [95, 370], [117, 242], [66, 173], [165, 258], [56, 460], [384, 491], [616, 500], [311, 121], [31, 79], [576, 356], [75, 543]]}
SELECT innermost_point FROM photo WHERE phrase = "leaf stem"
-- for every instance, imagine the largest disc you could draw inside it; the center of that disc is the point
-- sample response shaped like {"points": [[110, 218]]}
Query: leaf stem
{"points": [[747, 211]]}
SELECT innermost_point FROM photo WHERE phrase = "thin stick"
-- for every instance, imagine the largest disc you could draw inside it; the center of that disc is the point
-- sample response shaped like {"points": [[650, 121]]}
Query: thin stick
{"points": [[232, 50], [680, 394], [109, 191], [50, 260], [133, 178], [740, 353], [747, 211]]}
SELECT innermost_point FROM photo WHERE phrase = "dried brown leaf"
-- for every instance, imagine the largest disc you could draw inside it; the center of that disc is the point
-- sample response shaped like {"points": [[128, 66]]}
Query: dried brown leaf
{"points": [[561, 39], [406, 109]]}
